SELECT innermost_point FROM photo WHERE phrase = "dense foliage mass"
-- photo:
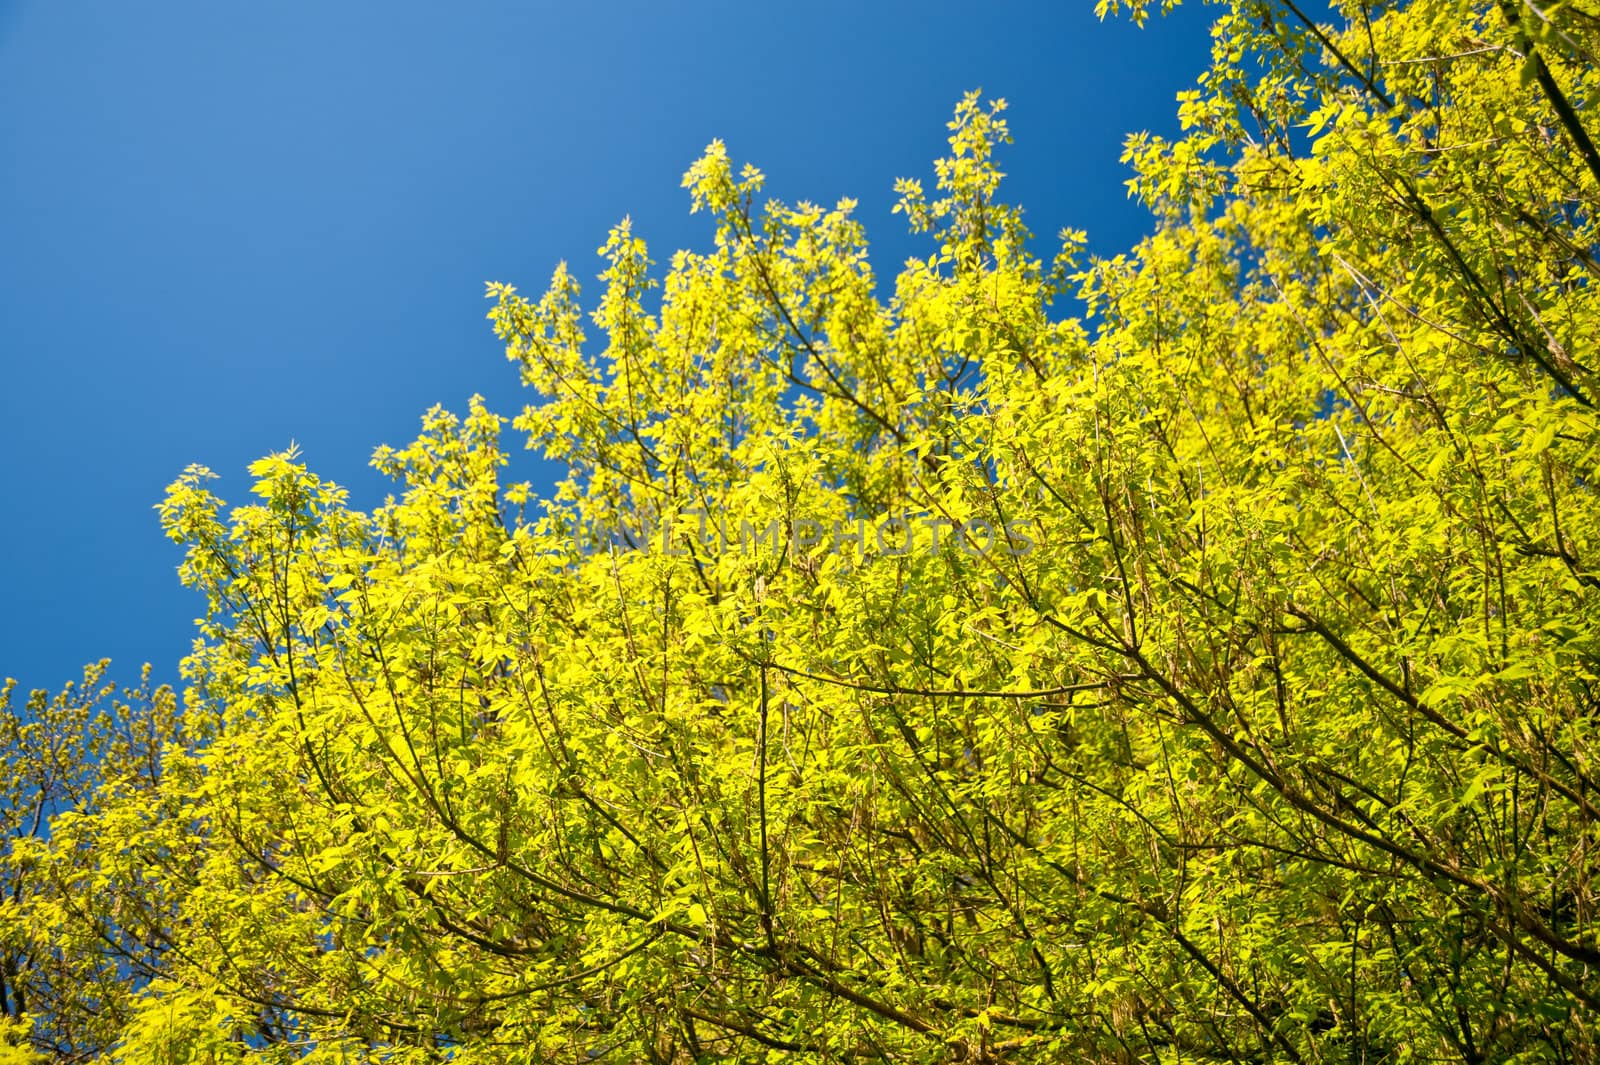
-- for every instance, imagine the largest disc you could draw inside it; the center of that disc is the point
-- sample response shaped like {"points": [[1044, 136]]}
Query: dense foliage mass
{"points": [[1209, 677]]}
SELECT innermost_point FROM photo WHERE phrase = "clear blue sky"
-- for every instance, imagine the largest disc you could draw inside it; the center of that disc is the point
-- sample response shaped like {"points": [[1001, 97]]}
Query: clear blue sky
{"points": [[224, 227]]}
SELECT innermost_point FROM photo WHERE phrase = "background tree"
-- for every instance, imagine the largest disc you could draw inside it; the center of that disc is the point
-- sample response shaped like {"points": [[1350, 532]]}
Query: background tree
{"points": [[71, 954], [1222, 687]]}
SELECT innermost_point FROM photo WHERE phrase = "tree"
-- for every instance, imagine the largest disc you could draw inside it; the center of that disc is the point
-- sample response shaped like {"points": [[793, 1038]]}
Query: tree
{"points": [[1207, 677], [92, 754]]}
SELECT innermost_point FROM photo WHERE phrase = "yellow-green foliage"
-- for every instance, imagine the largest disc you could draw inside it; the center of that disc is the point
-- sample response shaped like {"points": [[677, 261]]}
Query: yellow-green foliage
{"points": [[1232, 698]]}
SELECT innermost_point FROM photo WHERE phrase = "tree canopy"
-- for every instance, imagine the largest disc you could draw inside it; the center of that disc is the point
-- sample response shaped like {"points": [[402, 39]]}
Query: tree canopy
{"points": [[1184, 656]]}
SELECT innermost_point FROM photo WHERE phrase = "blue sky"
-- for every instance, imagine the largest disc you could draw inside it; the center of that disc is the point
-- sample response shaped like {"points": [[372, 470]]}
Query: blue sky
{"points": [[224, 227]]}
